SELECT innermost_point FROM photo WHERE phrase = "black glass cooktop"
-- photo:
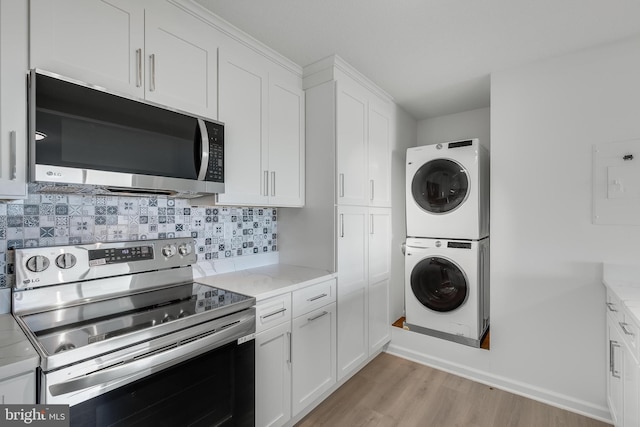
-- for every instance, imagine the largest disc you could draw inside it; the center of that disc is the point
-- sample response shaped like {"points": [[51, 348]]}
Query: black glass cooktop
{"points": [[74, 327]]}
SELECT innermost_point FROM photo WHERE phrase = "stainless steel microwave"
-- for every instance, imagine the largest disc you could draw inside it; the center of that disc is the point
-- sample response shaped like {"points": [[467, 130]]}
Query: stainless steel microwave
{"points": [[84, 135]]}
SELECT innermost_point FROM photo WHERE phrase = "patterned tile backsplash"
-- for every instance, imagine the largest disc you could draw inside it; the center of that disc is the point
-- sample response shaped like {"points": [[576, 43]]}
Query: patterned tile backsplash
{"points": [[55, 219]]}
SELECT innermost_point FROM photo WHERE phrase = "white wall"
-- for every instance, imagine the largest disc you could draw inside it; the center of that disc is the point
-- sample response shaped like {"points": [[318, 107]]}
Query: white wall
{"points": [[547, 301], [465, 125], [406, 136]]}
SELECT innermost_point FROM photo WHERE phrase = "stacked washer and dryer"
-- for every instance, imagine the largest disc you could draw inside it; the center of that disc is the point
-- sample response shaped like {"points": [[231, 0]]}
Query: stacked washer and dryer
{"points": [[447, 247]]}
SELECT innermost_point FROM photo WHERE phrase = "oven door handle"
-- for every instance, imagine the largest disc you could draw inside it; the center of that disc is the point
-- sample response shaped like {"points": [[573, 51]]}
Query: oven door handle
{"points": [[159, 359]]}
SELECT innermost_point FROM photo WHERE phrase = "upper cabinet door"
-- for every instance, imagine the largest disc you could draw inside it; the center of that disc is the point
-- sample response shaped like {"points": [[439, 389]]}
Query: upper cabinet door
{"points": [[379, 155], [95, 41], [351, 144], [181, 60], [286, 140], [243, 94], [13, 102]]}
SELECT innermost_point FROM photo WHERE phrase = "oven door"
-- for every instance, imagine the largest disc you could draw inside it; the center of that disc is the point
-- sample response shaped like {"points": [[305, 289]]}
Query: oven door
{"points": [[206, 379]]}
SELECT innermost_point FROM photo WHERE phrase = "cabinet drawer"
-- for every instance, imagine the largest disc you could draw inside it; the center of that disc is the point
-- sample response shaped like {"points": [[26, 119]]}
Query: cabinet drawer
{"points": [[273, 311], [630, 333], [313, 297], [614, 306]]}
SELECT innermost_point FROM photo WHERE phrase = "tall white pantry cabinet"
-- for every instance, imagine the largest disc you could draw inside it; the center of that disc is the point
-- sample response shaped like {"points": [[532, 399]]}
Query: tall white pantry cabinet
{"points": [[345, 225]]}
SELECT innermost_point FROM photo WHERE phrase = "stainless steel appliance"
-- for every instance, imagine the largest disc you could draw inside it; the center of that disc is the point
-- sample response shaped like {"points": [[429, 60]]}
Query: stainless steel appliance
{"points": [[85, 135], [126, 337]]}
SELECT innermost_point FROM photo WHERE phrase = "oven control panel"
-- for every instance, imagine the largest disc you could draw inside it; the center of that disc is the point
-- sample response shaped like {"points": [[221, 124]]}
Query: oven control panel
{"points": [[35, 267], [118, 255]]}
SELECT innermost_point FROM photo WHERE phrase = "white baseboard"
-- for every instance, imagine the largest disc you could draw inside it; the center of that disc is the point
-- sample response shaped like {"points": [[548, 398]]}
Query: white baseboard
{"points": [[549, 397]]}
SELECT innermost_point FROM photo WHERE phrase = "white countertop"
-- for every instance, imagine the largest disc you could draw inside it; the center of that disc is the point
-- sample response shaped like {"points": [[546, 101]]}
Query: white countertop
{"points": [[267, 281], [624, 281], [17, 355]]}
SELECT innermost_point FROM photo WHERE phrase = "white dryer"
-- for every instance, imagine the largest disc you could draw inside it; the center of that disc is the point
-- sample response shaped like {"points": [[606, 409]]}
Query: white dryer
{"points": [[448, 190], [447, 288]]}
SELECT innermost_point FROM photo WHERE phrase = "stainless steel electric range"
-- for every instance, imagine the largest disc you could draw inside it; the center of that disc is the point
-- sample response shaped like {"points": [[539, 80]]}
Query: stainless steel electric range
{"points": [[126, 337]]}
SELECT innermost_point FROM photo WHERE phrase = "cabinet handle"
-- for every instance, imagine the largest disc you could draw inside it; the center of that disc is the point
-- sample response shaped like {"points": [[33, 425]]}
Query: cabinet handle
{"points": [[316, 297], [138, 67], [341, 225], [624, 327], [273, 183], [614, 373], [152, 84], [282, 310], [290, 345], [13, 172], [311, 319], [266, 183], [372, 189], [341, 185], [371, 224], [611, 307]]}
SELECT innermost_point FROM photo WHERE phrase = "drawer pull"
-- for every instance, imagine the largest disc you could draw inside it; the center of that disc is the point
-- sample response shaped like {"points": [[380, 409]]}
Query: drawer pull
{"points": [[282, 310], [611, 306], [311, 319], [625, 329], [316, 297]]}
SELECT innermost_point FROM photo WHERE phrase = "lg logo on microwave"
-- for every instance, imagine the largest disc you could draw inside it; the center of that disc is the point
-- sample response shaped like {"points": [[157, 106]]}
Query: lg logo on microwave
{"points": [[52, 173]]}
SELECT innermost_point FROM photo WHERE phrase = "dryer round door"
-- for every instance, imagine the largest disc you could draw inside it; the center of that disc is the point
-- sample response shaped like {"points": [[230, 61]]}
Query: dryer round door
{"points": [[440, 186], [439, 284]]}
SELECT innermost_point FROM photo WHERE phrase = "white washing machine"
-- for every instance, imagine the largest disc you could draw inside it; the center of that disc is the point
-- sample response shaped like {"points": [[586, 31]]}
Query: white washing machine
{"points": [[448, 190], [447, 288]]}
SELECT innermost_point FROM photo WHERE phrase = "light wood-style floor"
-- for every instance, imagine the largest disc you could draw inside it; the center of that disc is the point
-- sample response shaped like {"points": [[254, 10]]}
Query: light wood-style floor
{"points": [[391, 391]]}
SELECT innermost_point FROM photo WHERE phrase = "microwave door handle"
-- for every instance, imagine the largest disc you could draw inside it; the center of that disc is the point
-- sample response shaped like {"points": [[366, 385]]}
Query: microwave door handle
{"points": [[204, 150]]}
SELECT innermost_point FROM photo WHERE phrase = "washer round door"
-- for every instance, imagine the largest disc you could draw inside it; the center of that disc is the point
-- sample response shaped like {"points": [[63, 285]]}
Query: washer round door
{"points": [[440, 186], [439, 284]]}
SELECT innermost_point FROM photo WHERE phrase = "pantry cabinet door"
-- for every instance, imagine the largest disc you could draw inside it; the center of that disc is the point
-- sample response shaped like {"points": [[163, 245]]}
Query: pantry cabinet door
{"points": [[379, 154], [100, 42], [351, 144], [181, 60]]}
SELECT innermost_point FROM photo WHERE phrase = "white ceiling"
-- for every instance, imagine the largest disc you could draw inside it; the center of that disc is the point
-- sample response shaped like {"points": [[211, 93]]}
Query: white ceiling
{"points": [[433, 56]]}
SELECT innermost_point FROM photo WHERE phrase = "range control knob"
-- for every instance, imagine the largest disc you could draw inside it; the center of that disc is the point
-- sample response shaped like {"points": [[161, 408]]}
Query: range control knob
{"points": [[169, 251], [65, 261], [184, 249], [37, 263]]}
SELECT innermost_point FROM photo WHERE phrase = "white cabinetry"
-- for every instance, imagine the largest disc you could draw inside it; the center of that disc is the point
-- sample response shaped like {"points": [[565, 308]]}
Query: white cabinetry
{"points": [[363, 127], [146, 49], [295, 359], [262, 107], [623, 357], [313, 344], [273, 361], [350, 131], [20, 389], [13, 89]]}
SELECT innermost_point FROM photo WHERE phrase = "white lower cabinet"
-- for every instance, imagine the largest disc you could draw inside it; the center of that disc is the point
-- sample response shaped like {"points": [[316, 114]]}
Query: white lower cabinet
{"points": [[295, 359], [623, 379], [20, 389], [313, 355], [273, 376]]}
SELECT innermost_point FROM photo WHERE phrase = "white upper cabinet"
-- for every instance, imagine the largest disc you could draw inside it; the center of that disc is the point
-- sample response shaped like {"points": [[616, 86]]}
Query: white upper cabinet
{"points": [[13, 108], [181, 59], [146, 49], [351, 144], [262, 107], [363, 142], [243, 94]]}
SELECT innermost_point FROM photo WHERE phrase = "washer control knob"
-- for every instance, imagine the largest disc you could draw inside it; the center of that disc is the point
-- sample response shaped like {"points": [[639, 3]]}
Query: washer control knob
{"points": [[65, 261], [169, 251], [184, 249], [37, 263], [438, 244]]}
